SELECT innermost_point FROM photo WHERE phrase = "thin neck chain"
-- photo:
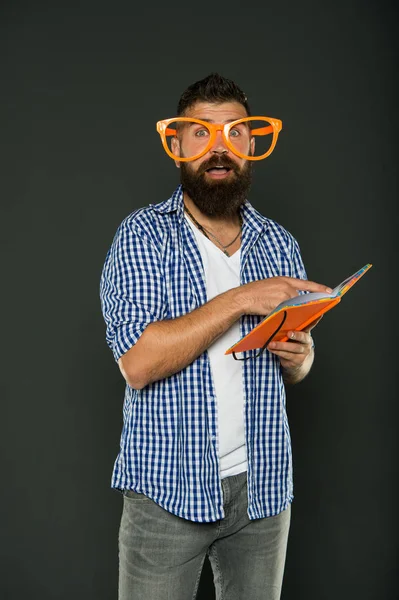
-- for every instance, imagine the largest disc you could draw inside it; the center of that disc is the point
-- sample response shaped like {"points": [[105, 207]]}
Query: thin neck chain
{"points": [[208, 233]]}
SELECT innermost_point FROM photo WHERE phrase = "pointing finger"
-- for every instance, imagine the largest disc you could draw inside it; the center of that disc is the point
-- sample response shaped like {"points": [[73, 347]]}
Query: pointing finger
{"points": [[311, 286]]}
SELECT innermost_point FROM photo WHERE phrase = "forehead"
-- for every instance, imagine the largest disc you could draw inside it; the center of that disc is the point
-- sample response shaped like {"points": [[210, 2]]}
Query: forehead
{"points": [[217, 113]]}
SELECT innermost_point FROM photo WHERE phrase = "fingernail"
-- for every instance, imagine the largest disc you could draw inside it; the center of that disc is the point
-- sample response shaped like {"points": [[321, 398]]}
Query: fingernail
{"points": [[329, 290], [272, 345], [292, 335]]}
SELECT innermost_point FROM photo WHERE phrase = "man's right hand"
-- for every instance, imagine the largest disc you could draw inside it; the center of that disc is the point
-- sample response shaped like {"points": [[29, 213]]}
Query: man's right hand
{"points": [[262, 296]]}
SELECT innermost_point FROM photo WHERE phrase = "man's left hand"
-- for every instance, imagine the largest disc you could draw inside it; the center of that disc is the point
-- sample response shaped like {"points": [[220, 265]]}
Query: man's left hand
{"points": [[294, 352]]}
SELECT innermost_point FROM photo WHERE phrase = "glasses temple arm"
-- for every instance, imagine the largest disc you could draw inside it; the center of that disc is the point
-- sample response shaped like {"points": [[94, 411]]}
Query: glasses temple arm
{"points": [[262, 130]]}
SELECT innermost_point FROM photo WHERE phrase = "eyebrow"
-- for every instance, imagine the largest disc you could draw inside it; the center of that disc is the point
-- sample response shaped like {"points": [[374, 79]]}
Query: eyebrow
{"points": [[212, 121]]}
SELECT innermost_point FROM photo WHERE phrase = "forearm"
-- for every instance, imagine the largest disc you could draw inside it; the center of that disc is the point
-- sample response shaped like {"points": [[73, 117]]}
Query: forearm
{"points": [[169, 346], [292, 375]]}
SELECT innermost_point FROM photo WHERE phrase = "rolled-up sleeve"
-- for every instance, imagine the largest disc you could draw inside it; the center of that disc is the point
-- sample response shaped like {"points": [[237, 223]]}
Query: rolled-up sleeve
{"points": [[132, 289]]}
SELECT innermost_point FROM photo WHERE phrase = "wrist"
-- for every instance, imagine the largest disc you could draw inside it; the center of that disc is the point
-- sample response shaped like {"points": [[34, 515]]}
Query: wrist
{"points": [[295, 373], [238, 301]]}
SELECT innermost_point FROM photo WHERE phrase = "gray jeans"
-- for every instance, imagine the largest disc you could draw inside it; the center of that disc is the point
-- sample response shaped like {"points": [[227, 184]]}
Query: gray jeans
{"points": [[161, 555]]}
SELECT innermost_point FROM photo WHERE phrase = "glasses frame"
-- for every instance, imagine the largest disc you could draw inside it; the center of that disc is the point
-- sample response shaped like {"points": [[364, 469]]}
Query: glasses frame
{"points": [[274, 126]]}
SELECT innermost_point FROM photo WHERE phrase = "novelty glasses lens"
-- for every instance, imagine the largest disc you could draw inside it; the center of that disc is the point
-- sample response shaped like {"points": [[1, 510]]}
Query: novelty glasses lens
{"points": [[193, 138], [252, 138]]}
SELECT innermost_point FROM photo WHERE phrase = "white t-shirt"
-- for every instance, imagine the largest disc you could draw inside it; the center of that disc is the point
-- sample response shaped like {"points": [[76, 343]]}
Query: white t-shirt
{"points": [[222, 273]]}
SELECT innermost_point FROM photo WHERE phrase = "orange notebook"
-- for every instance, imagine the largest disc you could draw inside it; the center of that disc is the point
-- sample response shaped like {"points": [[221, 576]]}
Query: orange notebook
{"points": [[295, 314]]}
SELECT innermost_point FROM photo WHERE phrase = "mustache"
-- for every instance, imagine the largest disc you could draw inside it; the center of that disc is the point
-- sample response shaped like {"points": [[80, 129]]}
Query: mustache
{"points": [[218, 161]]}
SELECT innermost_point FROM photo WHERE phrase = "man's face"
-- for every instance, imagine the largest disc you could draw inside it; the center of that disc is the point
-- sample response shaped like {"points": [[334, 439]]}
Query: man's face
{"points": [[217, 192]]}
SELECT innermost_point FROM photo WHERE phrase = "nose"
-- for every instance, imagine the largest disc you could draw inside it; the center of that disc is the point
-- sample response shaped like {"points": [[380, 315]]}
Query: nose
{"points": [[219, 147]]}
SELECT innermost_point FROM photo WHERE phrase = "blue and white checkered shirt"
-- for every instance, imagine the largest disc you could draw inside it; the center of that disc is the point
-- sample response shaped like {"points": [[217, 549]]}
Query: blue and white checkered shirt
{"points": [[153, 271]]}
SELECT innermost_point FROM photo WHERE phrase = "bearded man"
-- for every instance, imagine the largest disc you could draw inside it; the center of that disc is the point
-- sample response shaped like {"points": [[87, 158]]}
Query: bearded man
{"points": [[205, 462]]}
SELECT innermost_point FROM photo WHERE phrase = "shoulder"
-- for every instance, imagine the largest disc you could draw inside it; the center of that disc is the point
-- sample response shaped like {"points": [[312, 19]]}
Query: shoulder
{"points": [[141, 222], [150, 223]]}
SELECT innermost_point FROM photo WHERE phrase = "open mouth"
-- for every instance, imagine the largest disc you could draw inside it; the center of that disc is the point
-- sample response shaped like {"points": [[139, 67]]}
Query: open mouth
{"points": [[218, 170]]}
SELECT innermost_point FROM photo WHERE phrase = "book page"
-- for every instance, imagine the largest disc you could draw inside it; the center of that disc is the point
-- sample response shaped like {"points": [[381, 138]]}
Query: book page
{"points": [[339, 290], [343, 287], [303, 299]]}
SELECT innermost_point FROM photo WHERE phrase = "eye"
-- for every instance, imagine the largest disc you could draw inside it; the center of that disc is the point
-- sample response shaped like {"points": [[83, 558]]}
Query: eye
{"points": [[234, 133], [201, 133]]}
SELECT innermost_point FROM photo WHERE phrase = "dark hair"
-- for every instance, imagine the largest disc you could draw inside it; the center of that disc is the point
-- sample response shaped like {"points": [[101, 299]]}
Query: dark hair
{"points": [[213, 88]]}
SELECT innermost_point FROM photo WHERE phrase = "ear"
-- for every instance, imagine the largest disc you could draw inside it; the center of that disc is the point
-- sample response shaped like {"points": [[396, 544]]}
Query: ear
{"points": [[175, 145], [252, 146]]}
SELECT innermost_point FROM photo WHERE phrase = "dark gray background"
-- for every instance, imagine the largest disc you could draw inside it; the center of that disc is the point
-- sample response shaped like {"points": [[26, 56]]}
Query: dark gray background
{"points": [[82, 86]]}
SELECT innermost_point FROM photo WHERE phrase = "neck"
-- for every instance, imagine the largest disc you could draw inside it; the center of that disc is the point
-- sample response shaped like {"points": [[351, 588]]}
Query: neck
{"points": [[225, 233]]}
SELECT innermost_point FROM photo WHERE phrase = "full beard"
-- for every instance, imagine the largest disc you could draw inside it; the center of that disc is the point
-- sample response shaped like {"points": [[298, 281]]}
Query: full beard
{"points": [[217, 198]]}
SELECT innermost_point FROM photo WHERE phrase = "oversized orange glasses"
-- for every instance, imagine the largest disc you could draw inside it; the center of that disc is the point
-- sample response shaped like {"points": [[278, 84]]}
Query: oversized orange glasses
{"points": [[186, 139]]}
